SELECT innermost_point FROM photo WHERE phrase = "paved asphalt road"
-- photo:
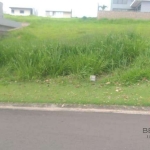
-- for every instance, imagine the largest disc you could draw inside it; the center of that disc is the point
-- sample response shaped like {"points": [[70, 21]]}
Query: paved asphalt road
{"points": [[37, 130]]}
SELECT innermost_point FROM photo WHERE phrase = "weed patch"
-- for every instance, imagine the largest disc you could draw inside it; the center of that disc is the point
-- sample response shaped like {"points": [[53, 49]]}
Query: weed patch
{"points": [[80, 47]]}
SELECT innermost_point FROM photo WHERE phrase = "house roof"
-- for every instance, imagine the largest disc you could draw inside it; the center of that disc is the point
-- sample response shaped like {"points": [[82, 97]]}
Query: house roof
{"points": [[136, 3], [21, 8], [57, 11]]}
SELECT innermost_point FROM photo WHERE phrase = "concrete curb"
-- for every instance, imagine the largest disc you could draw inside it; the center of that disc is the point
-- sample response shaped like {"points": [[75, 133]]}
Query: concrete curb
{"points": [[78, 108]]}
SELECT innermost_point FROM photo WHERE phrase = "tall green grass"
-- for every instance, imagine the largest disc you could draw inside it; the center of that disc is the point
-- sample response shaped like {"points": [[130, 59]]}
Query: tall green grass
{"points": [[51, 48]]}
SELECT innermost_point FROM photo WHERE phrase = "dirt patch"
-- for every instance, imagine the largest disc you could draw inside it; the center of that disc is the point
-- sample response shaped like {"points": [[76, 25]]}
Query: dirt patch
{"points": [[25, 24]]}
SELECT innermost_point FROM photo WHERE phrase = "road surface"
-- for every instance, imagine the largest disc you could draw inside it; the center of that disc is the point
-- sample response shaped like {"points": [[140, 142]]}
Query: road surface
{"points": [[39, 130]]}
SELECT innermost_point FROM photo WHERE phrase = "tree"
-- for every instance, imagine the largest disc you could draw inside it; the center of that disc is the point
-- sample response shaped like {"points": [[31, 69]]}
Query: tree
{"points": [[103, 7]]}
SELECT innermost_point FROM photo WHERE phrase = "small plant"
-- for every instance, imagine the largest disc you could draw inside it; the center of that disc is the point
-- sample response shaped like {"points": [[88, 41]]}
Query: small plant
{"points": [[84, 17], [103, 7]]}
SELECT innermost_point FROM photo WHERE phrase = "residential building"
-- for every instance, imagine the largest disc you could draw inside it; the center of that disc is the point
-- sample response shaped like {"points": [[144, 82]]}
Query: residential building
{"points": [[22, 11], [130, 5], [58, 14]]}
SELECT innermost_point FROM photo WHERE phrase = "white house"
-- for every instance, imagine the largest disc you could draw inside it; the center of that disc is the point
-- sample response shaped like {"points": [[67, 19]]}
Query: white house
{"points": [[130, 5], [58, 14], [21, 11]]}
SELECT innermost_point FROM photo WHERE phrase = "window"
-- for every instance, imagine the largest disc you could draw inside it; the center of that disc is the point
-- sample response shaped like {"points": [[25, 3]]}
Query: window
{"points": [[120, 1], [21, 11], [58, 14], [12, 11]]}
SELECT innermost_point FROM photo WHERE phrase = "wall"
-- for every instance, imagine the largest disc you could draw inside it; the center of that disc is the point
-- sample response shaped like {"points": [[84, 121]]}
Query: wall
{"points": [[4, 28], [121, 6], [1, 10], [17, 12], [59, 15], [145, 6], [47, 14], [67, 15], [123, 14], [6, 24]]}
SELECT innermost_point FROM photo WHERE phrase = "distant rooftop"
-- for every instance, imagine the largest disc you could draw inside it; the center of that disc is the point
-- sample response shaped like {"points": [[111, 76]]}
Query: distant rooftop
{"points": [[59, 10], [136, 3], [20, 8]]}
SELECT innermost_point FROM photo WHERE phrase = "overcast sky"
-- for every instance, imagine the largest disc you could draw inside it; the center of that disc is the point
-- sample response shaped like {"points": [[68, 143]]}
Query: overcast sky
{"points": [[79, 7]]}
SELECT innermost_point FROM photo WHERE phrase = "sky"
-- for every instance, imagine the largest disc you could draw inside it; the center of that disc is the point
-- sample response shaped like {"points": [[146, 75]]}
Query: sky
{"points": [[79, 8]]}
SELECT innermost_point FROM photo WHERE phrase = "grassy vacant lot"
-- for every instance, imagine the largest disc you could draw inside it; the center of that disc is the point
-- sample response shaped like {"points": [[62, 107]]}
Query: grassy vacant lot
{"points": [[51, 61]]}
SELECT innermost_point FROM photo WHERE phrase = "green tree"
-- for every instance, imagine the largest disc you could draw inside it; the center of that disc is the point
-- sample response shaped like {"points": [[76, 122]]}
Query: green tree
{"points": [[103, 7]]}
